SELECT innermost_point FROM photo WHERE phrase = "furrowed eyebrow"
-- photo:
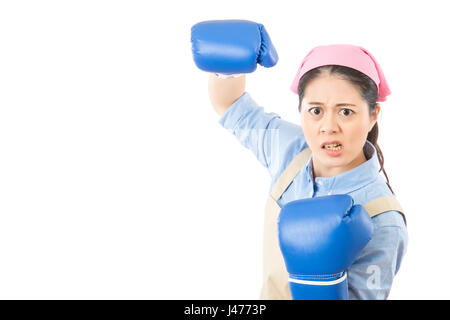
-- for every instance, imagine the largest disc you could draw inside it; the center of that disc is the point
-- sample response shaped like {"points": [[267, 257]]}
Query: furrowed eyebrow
{"points": [[337, 105]]}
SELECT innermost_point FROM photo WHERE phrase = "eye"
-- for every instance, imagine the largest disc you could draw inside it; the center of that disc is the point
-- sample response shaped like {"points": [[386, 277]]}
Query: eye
{"points": [[314, 112], [348, 112]]}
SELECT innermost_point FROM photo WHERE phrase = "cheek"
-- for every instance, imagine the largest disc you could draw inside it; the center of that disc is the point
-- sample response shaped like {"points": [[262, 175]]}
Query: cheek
{"points": [[356, 136]]}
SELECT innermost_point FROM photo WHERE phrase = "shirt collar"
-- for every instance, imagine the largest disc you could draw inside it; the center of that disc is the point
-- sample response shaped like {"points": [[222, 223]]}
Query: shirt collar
{"points": [[352, 179]]}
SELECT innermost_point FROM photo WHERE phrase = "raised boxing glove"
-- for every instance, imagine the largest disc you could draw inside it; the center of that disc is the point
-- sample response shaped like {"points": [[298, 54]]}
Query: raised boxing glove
{"points": [[231, 46], [319, 239]]}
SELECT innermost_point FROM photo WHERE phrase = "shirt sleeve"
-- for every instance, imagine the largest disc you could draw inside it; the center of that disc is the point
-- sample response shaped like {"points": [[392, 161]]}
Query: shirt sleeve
{"points": [[372, 274], [266, 135]]}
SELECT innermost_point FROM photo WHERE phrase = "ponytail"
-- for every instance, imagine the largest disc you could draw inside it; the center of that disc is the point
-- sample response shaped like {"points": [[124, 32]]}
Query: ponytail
{"points": [[373, 137]]}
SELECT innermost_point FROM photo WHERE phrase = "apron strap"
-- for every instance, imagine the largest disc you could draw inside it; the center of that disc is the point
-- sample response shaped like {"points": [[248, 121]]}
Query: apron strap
{"points": [[383, 204], [288, 175]]}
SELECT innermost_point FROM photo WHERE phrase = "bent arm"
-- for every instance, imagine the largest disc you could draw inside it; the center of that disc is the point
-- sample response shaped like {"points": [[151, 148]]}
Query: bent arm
{"points": [[372, 275]]}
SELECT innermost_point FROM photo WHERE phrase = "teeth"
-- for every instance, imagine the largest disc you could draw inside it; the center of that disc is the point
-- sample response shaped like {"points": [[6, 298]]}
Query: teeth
{"points": [[333, 147]]}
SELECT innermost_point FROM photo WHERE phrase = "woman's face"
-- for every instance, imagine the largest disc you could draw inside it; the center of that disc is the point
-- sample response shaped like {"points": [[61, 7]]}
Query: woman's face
{"points": [[333, 110]]}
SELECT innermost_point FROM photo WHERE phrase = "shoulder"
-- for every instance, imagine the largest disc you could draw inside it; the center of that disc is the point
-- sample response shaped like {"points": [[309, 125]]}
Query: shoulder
{"points": [[375, 190], [391, 221]]}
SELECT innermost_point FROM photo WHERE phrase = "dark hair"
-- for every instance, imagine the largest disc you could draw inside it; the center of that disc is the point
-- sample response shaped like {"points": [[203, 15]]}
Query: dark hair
{"points": [[367, 88]]}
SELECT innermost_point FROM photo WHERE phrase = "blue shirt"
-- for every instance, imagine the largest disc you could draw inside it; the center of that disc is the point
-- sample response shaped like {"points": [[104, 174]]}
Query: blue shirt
{"points": [[275, 142]]}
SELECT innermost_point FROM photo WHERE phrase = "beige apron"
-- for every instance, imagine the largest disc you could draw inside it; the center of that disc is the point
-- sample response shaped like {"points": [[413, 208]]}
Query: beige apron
{"points": [[275, 276]]}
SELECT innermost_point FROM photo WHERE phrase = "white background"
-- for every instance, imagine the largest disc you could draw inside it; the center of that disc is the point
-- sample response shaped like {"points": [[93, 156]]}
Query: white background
{"points": [[116, 180]]}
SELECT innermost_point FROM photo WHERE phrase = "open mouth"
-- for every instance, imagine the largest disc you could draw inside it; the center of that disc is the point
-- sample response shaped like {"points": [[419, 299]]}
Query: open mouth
{"points": [[333, 147]]}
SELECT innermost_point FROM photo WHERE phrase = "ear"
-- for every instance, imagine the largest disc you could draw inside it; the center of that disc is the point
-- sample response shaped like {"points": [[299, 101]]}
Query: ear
{"points": [[374, 116]]}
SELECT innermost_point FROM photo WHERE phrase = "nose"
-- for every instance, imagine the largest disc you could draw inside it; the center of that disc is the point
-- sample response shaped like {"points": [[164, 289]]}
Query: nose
{"points": [[329, 123]]}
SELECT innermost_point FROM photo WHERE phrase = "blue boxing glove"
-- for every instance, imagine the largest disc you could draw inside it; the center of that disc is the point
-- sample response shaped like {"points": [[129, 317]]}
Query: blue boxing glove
{"points": [[231, 46], [319, 239]]}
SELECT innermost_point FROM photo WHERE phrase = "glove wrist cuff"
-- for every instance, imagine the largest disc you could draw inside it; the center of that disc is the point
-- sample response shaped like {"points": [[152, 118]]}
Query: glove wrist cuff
{"points": [[318, 279], [226, 76], [319, 287]]}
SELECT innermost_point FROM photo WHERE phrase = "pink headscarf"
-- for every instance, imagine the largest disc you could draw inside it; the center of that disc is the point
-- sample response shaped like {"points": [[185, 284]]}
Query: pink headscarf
{"points": [[345, 55]]}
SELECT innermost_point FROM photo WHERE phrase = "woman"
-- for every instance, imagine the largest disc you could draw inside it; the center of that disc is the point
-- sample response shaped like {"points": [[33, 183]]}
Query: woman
{"points": [[338, 87]]}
